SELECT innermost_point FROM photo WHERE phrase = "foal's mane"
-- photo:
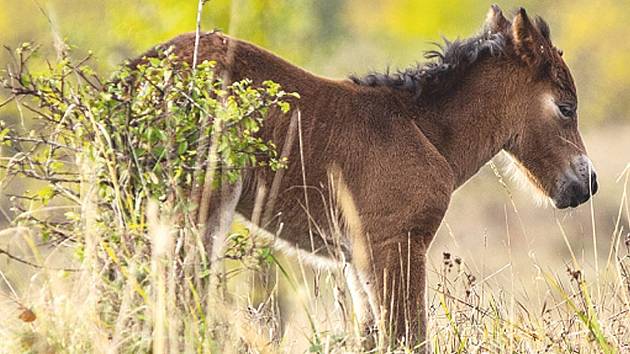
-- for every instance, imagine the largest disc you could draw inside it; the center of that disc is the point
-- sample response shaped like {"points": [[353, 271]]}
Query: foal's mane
{"points": [[447, 63]]}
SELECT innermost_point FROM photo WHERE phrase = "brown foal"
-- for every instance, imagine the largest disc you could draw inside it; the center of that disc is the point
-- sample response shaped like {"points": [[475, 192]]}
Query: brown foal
{"points": [[391, 148]]}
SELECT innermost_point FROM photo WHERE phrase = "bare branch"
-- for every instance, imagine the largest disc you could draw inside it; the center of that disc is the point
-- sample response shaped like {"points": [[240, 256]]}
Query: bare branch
{"points": [[23, 261]]}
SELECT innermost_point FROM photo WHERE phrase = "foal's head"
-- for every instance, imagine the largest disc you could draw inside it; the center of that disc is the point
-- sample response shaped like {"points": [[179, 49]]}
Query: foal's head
{"points": [[547, 143]]}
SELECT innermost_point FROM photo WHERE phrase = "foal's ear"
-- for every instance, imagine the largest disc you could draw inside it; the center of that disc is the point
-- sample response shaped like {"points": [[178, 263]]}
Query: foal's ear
{"points": [[529, 44], [495, 21]]}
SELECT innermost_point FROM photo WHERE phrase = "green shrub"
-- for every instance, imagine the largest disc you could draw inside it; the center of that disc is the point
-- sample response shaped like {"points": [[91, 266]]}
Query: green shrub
{"points": [[118, 169]]}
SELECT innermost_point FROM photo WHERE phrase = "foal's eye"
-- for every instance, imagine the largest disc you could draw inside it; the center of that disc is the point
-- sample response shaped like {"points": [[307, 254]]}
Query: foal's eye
{"points": [[568, 111]]}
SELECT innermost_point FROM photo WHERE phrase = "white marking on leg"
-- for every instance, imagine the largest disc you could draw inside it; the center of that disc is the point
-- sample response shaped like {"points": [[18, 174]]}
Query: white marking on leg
{"points": [[220, 221]]}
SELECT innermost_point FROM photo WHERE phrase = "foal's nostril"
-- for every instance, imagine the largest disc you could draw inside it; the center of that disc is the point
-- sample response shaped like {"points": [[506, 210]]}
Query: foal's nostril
{"points": [[594, 185], [576, 189], [579, 192]]}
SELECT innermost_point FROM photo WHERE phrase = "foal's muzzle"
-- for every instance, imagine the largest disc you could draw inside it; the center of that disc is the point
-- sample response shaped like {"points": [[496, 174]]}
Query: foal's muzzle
{"points": [[577, 184]]}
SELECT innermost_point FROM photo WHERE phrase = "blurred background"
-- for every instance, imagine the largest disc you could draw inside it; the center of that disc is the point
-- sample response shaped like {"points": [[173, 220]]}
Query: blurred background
{"points": [[495, 228]]}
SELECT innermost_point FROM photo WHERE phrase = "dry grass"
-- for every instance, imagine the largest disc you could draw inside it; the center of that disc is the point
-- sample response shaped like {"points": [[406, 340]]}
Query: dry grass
{"points": [[474, 306]]}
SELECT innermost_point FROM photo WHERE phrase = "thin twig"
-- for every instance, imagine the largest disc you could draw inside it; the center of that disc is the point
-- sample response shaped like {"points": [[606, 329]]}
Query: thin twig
{"points": [[7, 101], [277, 178], [197, 33], [23, 261]]}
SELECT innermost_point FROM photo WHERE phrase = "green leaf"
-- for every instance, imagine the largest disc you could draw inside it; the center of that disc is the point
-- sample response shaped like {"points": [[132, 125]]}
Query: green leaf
{"points": [[56, 166], [46, 193]]}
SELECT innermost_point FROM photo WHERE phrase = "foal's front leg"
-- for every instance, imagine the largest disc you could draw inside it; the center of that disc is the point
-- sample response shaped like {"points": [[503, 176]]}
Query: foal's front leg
{"points": [[364, 309], [398, 282]]}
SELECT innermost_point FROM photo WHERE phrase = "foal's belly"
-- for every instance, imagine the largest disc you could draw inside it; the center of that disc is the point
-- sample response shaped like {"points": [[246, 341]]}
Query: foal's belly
{"points": [[313, 248]]}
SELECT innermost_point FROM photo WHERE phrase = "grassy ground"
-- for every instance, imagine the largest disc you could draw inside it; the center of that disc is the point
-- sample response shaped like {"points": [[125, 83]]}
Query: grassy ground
{"points": [[505, 277]]}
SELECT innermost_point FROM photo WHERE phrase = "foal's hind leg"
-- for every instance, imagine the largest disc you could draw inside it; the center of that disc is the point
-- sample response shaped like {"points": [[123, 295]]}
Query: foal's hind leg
{"points": [[222, 210], [363, 310]]}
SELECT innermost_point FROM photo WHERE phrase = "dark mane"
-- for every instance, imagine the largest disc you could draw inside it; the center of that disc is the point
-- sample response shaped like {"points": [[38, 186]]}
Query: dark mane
{"points": [[449, 61]]}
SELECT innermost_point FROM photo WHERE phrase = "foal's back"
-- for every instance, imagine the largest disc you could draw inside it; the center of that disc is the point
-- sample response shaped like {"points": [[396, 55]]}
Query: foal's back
{"points": [[237, 59], [356, 130]]}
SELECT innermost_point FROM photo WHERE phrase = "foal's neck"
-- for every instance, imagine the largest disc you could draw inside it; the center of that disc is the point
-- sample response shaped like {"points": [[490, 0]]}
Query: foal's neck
{"points": [[471, 123]]}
